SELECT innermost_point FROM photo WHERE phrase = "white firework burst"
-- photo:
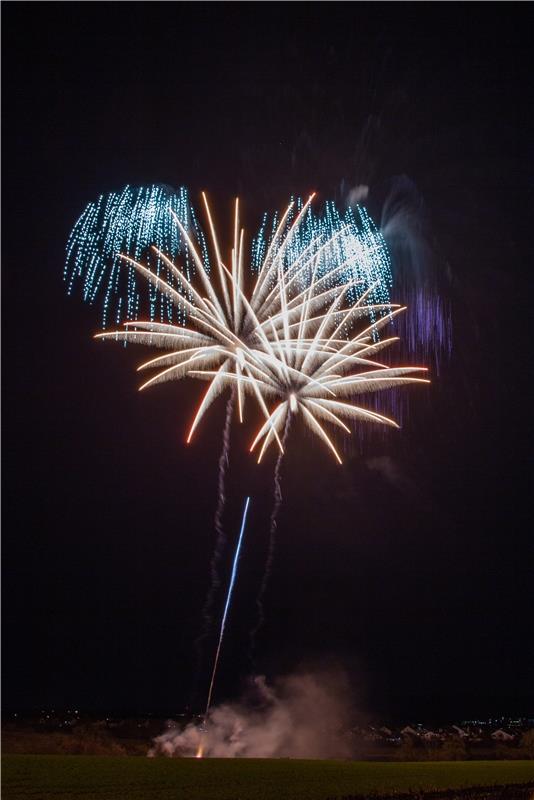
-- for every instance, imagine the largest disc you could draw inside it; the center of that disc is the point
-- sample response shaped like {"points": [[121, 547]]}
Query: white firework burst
{"points": [[316, 367], [288, 339]]}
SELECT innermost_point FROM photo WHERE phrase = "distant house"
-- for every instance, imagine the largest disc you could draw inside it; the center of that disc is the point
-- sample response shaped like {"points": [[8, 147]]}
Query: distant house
{"points": [[460, 732], [430, 736], [501, 735], [409, 731], [372, 735]]}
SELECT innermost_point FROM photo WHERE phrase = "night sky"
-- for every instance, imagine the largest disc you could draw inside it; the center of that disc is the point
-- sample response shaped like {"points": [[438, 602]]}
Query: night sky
{"points": [[410, 565]]}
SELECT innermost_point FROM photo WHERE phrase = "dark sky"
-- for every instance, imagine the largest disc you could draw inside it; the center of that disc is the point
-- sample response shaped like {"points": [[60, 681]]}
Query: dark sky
{"points": [[417, 577]]}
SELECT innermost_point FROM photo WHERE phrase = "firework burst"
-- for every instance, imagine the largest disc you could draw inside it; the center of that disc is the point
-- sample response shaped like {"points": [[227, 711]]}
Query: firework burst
{"points": [[311, 366], [234, 336]]}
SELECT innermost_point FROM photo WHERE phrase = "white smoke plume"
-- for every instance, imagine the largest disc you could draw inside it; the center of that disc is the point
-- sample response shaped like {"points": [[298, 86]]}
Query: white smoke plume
{"points": [[302, 716], [357, 194]]}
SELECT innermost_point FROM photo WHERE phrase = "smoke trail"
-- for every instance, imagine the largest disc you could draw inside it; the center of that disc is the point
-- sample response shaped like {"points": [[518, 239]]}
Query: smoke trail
{"points": [[220, 541], [273, 524], [225, 613]]}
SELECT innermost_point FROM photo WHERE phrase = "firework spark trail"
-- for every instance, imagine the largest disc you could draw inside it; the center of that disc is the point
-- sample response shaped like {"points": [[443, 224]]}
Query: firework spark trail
{"points": [[128, 222], [225, 614], [220, 541], [273, 526]]}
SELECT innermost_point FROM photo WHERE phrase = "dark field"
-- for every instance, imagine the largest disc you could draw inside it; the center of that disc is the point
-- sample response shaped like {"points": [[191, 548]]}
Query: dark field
{"points": [[131, 778]]}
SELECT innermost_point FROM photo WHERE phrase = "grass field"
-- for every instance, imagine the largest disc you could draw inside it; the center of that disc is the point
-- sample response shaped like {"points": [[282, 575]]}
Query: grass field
{"points": [[131, 778]]}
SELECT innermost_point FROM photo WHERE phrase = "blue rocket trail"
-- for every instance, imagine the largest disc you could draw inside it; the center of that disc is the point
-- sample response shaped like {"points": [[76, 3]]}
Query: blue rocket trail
{"points": [[228, 600]]}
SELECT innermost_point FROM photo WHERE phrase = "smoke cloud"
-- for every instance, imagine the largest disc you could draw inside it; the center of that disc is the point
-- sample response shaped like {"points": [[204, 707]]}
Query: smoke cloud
{"points": [[357, 194], [301, 716], [391, 471]]}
